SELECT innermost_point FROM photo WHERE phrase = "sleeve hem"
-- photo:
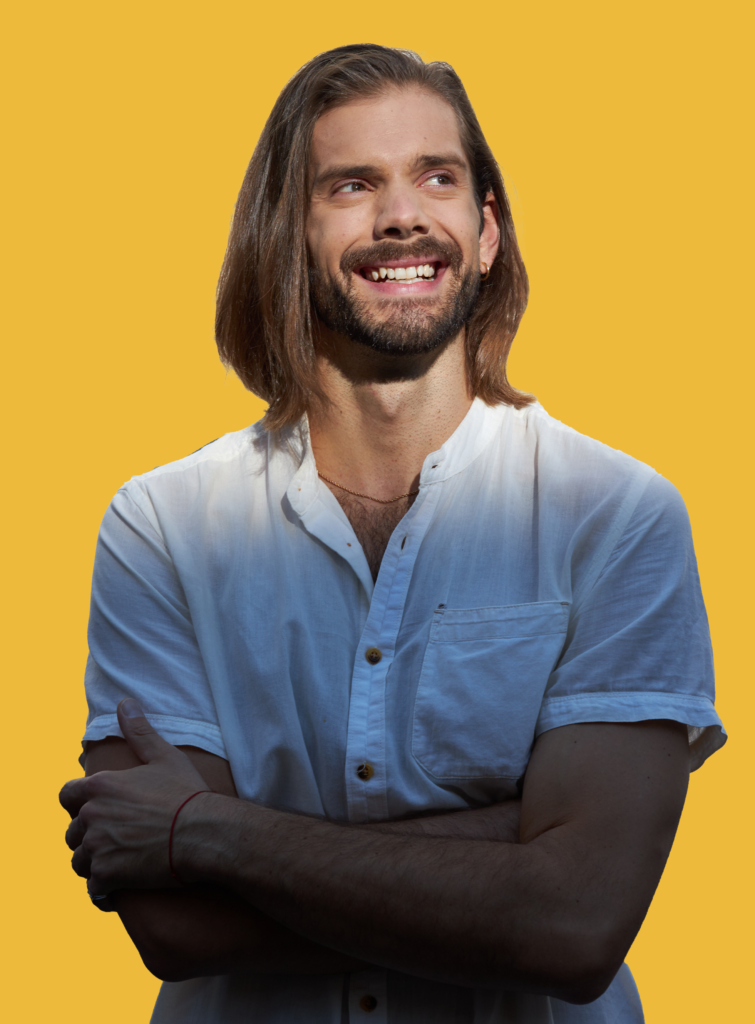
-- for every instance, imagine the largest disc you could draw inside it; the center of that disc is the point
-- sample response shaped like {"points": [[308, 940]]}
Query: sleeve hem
{"points": [[704, 727], [178, 731]]}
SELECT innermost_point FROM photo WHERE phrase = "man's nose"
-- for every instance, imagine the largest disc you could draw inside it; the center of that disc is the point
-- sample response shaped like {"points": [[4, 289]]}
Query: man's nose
{"points": [[401, 214]]}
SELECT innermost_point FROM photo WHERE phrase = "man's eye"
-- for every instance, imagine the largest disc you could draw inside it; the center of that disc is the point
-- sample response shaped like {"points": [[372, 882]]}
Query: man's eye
{"points": [[351, 186], [439, 179]]}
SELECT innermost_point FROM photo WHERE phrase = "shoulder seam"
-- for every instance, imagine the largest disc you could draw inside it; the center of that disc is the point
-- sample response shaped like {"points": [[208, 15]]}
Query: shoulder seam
{"points": [[201, 455]]}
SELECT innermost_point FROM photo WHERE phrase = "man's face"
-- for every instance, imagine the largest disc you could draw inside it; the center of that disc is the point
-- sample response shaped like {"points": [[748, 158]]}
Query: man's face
{"points": [[393, 227]]}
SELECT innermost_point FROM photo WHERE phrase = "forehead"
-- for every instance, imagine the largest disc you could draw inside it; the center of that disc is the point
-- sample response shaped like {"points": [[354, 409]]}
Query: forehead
{"points": [[386, 129]]}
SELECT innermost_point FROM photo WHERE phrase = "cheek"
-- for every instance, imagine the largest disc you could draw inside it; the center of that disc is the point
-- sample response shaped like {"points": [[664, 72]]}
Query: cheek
{"points": [[331, 233], [462, 226], [325, 246], [472, 232]]}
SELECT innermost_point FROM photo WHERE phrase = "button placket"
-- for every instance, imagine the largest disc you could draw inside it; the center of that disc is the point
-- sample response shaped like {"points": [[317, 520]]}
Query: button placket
{"points": [[366, 793]]}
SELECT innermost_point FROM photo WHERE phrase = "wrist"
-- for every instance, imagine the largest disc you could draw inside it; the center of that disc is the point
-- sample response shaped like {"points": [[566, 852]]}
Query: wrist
{"points": [[171, 863], [199, 841], [240, 846]]}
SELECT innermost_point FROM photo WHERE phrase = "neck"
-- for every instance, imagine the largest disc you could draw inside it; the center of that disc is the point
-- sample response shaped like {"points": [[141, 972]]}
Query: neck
{"points": [[386, 413]]}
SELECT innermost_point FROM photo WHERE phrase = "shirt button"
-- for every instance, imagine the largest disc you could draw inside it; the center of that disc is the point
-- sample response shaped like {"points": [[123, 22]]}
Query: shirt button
{"points": [[368, 1003], [365, 771], [373, 655]]}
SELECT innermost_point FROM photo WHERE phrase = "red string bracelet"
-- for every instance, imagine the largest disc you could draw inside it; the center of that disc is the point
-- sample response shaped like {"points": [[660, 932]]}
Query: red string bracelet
{"points": [[173, 825]]}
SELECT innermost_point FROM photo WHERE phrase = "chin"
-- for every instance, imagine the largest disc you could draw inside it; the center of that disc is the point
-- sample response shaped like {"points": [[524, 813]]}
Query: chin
{"points": [[404, 326]]}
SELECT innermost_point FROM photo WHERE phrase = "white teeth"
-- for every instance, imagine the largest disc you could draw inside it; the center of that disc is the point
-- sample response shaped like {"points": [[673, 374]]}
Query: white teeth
{"points": [[425, 270]]}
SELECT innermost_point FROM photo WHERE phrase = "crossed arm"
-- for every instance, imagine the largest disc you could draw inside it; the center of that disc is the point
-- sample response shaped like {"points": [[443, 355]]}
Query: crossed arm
{"points": [[453, 898], [207, 930]]}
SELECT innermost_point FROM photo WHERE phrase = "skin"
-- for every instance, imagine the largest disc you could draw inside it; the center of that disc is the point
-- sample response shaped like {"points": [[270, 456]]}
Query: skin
{"points": [[554, 914], [185, 933], [387, 413], [548, 904]]}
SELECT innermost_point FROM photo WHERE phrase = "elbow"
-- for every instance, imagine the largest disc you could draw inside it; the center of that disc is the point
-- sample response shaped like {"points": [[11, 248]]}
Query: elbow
{"points": [[167, 964], [583, 969], [171, 972], [170, 948], [575, 968], [585, 986], [162, 952]]}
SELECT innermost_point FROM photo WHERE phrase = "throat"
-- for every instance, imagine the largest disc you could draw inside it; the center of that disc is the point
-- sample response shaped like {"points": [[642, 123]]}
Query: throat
{"points": [[373, 524]]}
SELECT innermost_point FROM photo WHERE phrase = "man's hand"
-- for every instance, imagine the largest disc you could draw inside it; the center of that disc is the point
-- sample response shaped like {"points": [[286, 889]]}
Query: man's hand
{"points": [[121, 820], [203, 931], [554, 915]]}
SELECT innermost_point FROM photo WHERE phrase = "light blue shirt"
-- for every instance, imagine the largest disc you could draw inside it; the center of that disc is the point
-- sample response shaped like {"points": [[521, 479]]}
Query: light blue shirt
{"points": [[539, 579]]}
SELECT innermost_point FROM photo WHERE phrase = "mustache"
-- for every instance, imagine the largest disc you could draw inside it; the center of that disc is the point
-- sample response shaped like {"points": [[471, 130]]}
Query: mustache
{"points": [[381, 252]]}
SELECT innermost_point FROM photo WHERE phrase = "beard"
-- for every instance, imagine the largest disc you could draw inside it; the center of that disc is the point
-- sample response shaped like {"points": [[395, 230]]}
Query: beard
{"points": [[400, 326]]}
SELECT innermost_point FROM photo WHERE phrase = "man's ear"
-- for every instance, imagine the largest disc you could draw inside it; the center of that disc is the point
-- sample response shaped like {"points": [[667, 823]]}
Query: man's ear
{"points": [[490, 236]]}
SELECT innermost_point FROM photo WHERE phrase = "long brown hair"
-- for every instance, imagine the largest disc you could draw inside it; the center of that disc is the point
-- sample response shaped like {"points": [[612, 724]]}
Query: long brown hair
{"points": [[263, 326]]}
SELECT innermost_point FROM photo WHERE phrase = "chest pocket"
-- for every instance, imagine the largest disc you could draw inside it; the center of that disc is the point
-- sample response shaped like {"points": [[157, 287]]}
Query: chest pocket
{"points": [[482, 682]]}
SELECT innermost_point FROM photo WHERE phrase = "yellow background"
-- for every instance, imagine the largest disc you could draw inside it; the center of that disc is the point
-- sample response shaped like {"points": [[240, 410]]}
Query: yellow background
{"points": [[624, 137]]}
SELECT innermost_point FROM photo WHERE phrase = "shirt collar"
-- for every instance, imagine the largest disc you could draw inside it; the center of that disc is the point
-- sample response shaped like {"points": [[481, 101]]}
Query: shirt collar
{"points": [[466, 444], [468, 441]]}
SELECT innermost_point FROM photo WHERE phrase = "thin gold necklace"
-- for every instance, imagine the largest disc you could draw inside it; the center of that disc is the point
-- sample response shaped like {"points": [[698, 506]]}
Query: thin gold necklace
{"points": [[380, 501]]}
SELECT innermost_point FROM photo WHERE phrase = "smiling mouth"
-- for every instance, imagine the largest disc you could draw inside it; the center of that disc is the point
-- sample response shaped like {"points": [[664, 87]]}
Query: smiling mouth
{"points": [[415, 272]]}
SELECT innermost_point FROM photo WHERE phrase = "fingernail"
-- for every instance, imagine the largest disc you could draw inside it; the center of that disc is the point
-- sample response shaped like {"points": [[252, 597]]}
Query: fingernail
{"points": [[131, 709]]}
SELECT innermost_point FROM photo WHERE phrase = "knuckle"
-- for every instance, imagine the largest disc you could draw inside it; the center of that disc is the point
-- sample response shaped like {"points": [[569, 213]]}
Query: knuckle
{"points": [[96, 784], [68, 796], [80, 864], [71, 836]]}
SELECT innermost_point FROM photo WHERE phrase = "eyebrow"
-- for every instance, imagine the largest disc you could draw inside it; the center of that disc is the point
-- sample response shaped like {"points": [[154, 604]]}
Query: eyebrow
{"points": [[345, 171], [420, 162], [442, 160]]}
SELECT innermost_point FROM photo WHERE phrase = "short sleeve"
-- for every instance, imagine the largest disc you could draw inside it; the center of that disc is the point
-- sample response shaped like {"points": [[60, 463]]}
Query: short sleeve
{"points": [[142, 642], [638, 644]]}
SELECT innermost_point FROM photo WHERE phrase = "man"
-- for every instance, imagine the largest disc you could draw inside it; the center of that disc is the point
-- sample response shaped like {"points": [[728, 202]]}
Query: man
{"points": [[451, 656]]}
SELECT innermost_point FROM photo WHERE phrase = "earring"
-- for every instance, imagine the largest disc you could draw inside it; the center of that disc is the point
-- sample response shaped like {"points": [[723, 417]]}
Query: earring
{"points": [[485, 274]]}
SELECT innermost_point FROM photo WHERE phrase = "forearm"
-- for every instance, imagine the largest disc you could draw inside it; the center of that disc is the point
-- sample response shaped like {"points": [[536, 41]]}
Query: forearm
{"points": [[495, 823], [204, 931], [453, 910], [554, 914]]}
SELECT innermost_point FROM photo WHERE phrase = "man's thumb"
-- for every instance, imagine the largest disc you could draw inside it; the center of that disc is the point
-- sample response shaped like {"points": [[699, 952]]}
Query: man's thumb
{"points": [[138, 733]]}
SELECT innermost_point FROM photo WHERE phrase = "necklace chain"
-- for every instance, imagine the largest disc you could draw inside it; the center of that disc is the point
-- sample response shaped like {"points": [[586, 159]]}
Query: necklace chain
{"points": [[358, 494]]}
